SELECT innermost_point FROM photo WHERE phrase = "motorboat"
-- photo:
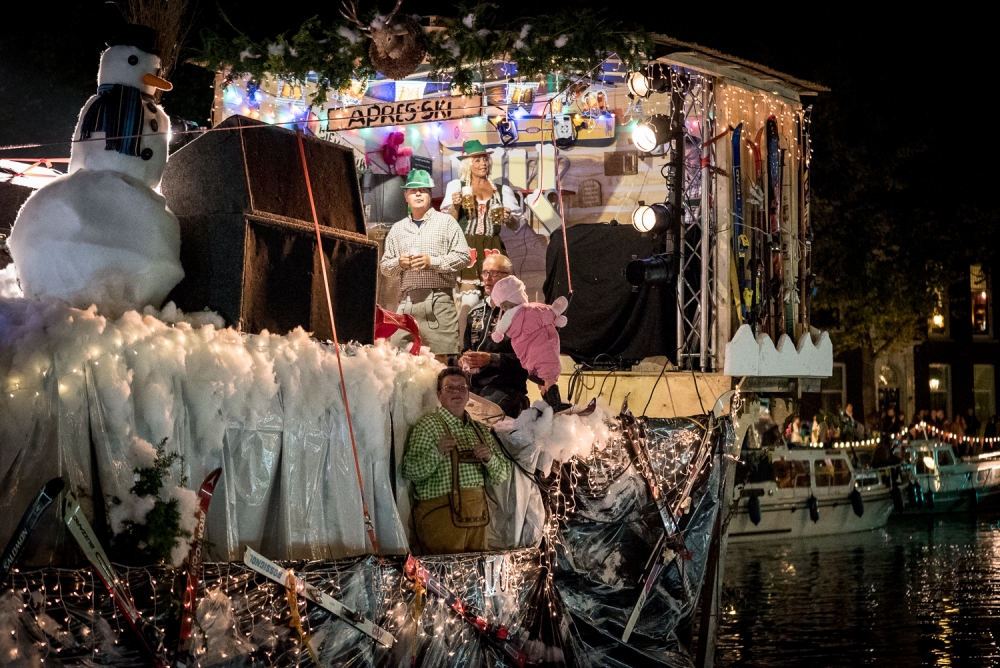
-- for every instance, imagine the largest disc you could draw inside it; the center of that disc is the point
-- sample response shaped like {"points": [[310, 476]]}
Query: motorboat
{"points": [[798, 492], [945, 482]]}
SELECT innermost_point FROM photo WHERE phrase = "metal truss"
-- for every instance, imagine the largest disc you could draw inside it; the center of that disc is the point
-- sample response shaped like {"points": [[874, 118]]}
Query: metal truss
{"points": [[696, 307]]}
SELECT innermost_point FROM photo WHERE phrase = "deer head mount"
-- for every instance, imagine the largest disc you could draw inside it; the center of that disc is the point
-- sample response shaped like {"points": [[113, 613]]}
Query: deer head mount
{"points": [[397, 46]]}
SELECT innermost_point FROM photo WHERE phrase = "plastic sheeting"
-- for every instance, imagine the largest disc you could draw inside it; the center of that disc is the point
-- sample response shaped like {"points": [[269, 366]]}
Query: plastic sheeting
{"points": [[605, 541], [86, 397]]}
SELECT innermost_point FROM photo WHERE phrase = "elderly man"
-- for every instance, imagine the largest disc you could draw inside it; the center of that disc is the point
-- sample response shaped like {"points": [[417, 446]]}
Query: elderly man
{"points": [[497, 374], [449, 458], [429, 250]]}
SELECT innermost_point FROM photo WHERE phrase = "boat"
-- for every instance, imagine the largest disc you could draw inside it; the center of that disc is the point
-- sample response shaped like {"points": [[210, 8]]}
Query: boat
{"points": [[945, 482], [809, 492]]}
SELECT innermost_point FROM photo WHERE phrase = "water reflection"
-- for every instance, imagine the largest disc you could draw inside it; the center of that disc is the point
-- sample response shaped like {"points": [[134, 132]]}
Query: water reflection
{"points": [[923, 591]]}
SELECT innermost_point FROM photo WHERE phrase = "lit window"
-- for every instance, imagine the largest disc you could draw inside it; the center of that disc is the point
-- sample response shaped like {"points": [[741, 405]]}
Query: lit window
{"points": [[979, 287], [939, 382], [937, 324], [983, 386]]}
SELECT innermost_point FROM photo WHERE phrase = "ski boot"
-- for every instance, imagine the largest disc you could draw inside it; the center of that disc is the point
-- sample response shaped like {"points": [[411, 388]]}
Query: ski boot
{"points": [[552, 398]]}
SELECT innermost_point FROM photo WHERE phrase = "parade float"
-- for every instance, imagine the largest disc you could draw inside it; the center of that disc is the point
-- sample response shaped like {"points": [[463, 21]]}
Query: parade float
{"points": [[214, 427]]}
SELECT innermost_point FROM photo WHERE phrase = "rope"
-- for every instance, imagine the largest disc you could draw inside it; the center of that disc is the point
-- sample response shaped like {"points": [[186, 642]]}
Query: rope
{"points": [[369, 526]]}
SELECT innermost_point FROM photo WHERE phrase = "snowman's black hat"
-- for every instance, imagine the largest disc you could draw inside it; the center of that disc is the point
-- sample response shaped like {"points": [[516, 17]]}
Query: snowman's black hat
{"points": [[131, 34]]}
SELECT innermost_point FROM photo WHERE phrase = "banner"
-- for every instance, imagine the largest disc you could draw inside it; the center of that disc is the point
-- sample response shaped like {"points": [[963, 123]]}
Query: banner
{"points": [[403, 112]]}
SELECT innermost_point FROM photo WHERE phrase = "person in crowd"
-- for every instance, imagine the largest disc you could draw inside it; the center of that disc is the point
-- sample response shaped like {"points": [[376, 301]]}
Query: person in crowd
{"points": [[491, 207], [793, 434], [972, 423], [450, 458], [428, 250], [770, 433], [958, 426], [850, 428], [990, 431], [497, 375]]}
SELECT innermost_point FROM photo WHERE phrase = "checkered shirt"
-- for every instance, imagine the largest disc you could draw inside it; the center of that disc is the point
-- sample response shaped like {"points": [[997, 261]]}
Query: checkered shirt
{"points": [[438, 237], [430, 471]]}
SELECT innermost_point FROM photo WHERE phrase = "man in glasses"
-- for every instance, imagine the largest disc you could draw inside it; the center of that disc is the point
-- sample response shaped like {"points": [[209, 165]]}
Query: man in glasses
{"points": [[449, 458], [497, 375]]}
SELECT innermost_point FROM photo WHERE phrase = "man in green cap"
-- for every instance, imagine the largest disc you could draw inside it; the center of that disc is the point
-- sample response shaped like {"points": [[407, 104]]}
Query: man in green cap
{"points": [[428, 250]]}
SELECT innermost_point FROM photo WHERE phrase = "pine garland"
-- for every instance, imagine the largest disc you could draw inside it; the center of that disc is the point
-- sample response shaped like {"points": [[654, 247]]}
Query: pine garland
{"points": [[571, 43]]}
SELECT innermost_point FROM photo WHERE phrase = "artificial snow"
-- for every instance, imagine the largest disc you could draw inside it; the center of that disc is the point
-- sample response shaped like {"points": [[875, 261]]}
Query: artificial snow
{"points": [[9, 287], [266, 408], [97, 237], [544, 437]]}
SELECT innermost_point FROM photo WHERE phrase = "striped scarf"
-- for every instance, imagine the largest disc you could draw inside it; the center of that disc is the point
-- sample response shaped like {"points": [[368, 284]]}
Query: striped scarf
{"points": [[117, 112]]}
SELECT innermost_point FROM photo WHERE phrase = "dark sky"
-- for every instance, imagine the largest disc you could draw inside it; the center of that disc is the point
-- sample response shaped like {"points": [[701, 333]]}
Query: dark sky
{"points": [[894, 81]]}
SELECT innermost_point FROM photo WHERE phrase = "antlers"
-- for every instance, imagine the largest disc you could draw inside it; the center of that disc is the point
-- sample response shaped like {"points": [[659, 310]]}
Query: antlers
{"points": [[350, 12]]}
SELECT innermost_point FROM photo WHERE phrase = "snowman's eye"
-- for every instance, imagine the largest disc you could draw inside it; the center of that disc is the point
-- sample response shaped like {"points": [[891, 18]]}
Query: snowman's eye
{"points": [[133, 60]]}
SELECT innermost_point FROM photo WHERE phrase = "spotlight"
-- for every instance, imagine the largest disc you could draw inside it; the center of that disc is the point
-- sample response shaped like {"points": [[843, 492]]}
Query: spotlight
{"points": [[655, 270], [638, 84], [643, 84], [651, 133], [507, 130], [653, 218]]}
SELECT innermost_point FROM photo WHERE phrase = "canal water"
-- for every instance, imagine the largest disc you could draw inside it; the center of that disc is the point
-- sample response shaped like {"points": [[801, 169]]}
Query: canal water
{"points": [[924, 591]]}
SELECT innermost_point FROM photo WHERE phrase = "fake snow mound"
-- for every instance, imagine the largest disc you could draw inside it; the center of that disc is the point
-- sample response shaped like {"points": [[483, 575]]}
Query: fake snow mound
{"points": [[71, 375], [8, 283], [97, 237]]}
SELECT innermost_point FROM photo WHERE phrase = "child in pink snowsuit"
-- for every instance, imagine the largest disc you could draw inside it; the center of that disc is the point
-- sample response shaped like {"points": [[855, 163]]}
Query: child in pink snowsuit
{"points": [[531, 328]]}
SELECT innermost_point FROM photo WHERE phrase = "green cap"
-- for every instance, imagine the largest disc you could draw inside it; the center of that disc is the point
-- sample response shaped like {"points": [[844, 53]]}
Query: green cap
{"points": [[472, 148], [419, 178]]}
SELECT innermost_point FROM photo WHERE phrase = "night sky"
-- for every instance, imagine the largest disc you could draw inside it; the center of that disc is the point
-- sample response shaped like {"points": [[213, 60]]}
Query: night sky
{"points": [[910, 96]]}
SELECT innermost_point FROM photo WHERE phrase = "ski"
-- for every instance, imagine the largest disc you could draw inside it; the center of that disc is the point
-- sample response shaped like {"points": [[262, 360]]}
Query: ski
{"points": [[652, 575], [633, 433], [83, 533], [273, 571], [205, 493], [742, 292], [774, 227], [28, 522], [498, 635]]}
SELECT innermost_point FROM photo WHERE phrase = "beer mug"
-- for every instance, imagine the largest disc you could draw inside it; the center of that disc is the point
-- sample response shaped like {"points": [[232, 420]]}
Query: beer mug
{"points": [[468, 199], [498, 215]]}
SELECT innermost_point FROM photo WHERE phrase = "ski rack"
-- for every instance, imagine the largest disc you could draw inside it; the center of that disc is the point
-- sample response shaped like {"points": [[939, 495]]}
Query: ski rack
{"points": [[497, 635], [276, 573]]}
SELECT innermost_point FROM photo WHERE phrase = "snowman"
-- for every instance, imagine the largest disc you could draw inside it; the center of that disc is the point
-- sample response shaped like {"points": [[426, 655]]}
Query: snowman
{"points": [[102, 234]]}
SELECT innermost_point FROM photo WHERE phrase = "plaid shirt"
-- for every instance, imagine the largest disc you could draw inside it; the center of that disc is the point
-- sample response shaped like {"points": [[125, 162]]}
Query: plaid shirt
{"points": [[438, 237], [430, 471]]}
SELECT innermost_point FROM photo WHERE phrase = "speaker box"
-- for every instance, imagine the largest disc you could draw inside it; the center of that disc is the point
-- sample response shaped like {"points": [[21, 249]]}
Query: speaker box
{"points": [[248, 243]]}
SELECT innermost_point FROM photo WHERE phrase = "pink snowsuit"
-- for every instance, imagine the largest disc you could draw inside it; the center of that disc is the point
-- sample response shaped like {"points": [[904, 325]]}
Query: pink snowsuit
{"points": [[531, 328]]}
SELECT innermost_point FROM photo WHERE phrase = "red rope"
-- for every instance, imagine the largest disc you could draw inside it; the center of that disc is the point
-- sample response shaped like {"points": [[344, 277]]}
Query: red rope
{"points": [[369, 526]]}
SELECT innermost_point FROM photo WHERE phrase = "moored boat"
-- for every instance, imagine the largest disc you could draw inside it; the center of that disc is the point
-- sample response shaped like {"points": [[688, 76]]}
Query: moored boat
{"points": [[810, 492], [946, 482]]}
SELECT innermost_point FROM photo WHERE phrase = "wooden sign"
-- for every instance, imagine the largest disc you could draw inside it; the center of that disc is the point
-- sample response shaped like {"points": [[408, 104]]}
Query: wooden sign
{"points": [[404, 113]]}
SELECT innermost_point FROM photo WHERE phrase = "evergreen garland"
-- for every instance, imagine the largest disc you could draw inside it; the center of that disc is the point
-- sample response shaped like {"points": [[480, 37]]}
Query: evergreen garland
{"points": [[152, 542], [571, 43]]}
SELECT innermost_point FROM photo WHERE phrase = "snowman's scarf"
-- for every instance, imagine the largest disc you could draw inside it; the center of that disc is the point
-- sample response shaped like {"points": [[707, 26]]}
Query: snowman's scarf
{"points": [[117, 112]]}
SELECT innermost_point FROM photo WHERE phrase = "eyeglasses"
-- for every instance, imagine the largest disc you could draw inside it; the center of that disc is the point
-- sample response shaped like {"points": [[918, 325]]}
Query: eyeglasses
{"points": [[488, 273], [455, 388]]}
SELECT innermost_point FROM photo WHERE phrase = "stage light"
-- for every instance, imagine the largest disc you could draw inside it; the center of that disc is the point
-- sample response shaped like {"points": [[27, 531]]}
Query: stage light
{"points": [[655, 270], [507, 130], [651, 133], [652, 218], [638, 84]]}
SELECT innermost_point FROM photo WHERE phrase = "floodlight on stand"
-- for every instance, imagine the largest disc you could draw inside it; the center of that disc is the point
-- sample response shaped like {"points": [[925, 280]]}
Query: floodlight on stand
{"points": [[655, 270], [651, 133], [507, 130], [651, 218]]}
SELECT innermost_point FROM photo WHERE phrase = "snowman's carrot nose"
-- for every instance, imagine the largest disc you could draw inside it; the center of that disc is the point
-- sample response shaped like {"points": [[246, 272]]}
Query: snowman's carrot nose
{"points": [[156, 82]]}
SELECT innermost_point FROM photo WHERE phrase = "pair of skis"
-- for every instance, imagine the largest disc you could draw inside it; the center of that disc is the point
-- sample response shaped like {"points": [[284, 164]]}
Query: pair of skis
{"points": [[663, 553], [86, 538], [496, 635]]}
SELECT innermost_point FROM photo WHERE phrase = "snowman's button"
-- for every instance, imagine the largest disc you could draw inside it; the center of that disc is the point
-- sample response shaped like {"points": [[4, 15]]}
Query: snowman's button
{"points": [[146, 154], [151, 107], [153, 125]]}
